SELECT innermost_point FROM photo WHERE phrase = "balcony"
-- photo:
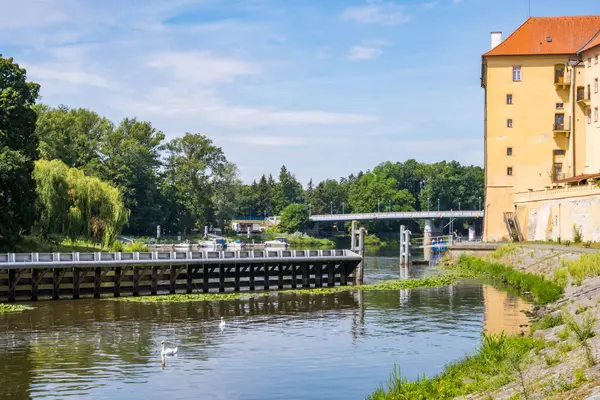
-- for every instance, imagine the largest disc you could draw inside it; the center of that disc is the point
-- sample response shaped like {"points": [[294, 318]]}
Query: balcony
{"points": [[561, 127], [558, 176], [562, 80], [584, 97]]}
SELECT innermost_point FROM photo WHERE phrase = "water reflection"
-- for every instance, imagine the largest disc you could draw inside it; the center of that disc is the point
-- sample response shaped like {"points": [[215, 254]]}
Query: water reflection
{"points": [[282, 346]]}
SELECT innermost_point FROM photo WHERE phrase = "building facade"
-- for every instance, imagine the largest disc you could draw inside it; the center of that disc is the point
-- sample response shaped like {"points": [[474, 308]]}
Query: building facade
{"points": [[541, 120]]}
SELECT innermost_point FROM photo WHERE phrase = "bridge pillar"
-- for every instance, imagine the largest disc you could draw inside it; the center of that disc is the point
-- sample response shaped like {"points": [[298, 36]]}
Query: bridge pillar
{"points": [[360, 269], [427, 239]]}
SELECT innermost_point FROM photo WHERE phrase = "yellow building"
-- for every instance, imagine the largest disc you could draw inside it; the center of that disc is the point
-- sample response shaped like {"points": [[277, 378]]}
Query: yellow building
{"points": [[541, 125]]}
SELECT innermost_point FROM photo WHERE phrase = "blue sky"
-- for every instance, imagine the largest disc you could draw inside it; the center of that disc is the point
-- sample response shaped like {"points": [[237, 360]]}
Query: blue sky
{"points": [[325, 87]]}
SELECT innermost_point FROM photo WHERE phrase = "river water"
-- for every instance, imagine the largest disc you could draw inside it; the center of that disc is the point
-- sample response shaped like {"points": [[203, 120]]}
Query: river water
{"points": [[285, 346]]}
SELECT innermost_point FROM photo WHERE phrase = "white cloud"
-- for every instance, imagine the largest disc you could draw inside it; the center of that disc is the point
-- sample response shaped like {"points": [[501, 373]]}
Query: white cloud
{"points": [[430, 5], [377, 12], [201, 67], [57, 73], [457, 1], [280, 140], [363, 53]]}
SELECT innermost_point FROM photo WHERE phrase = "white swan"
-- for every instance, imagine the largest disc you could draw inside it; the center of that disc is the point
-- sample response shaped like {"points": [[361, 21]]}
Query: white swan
{"points": [[222, 323], [167, 351]]}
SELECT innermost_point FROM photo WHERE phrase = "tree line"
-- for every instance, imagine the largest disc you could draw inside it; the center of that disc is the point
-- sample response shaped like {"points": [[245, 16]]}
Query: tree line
{"points": [[73, 172]]}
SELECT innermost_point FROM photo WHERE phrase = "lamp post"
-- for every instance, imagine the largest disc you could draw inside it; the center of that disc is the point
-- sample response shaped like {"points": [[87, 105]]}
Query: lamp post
{"points": [[343, 204], [378, 203], [438, 204], [331, 207], [479, 209], [428, 204]]}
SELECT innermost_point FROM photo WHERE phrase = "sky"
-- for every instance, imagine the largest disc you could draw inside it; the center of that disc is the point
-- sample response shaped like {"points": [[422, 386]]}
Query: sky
{"points": [[326, 87]]}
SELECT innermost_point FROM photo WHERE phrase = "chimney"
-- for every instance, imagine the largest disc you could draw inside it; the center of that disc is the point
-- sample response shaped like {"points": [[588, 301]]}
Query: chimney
{"points": [[496, 39]]}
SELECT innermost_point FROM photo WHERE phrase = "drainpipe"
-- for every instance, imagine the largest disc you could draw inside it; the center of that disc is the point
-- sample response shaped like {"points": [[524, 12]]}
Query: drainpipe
{"points": [[572, 117]]}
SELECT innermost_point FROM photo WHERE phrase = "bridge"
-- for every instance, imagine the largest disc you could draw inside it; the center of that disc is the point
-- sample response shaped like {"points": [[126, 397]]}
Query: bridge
{"points": [[58, 275], [396, 216]]}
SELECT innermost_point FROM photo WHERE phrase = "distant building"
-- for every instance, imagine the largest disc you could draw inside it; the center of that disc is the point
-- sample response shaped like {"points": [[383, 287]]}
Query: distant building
{"points": [[542, 130]]}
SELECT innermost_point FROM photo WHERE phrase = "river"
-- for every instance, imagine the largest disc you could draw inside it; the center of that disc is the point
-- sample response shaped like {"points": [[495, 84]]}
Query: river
{"points": [[285, 346]]}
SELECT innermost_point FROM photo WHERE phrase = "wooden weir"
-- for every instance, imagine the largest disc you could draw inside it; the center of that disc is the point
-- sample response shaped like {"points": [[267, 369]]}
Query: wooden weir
{"points": [[32, 276]]}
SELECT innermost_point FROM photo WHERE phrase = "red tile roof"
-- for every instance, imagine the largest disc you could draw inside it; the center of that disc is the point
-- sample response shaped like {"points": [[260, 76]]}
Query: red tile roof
{"points": [[592, 43], [569, 35]]}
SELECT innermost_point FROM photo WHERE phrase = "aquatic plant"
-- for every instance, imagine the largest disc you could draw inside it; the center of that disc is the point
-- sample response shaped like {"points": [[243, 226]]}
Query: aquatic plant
{"points": [[543, 291], [6, 308], [184, 298]]}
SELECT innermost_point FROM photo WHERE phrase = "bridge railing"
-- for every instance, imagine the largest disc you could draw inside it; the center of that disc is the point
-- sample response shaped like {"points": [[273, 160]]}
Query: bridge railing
{"points": [[13, 260], [397, 215]]}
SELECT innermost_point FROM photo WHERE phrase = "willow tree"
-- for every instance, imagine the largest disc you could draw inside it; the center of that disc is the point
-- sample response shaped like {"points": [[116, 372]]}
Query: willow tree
{"points": [[77, 205]]}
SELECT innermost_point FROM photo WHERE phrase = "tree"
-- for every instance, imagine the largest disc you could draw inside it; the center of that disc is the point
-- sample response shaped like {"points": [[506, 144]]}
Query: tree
{"points": [[264, 203], [72, 136], [18, 150], [77, 205], [225, 198], [294, 218], [193, 167], [129, 157], [287, 191]]}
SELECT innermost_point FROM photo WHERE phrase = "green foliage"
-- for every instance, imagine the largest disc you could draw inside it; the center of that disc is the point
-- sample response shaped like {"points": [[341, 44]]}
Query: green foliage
{"points": [[301, 239], [577, 234], [77, 205], [492, 366], [6, 308], [582, 332], [543, 290], [287, 191], [294, 218], [547, 321], [372, 240], [552, 358], [503, 251], [586, 266], [18, 150]]}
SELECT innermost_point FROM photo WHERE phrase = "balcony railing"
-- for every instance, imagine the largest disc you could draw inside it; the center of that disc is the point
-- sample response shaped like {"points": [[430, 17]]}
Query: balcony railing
{"points": [[558, 176], [561, 78], [561, 127], [583, 95]]}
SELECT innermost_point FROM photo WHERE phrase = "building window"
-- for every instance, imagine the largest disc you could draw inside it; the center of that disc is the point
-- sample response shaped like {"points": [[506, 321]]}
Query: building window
{"points": [[509, 99], [517, 73], [509, 151], [560, 106], [509, 171], [596, 114], [596, 85], [589, 115], [559, 152], [509, 123]]}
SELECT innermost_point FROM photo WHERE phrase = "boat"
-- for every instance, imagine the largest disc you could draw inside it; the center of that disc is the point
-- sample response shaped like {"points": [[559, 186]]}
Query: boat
{"points": [[277, 243], [215, 244], [237, 245]]}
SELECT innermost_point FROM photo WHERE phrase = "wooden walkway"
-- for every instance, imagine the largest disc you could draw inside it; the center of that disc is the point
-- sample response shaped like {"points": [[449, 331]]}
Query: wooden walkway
{"points": [[31, 276]]}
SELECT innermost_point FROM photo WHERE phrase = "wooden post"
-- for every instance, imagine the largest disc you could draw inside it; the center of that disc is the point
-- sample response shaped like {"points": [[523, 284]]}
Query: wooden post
{"points": [[55, 284], [221, 278], [154, 281], [172, 279], [318, 275], [266, 282], [117, 282], [294, 276], [136, 281], [205, 277], [97, 282], [305, 276], [331, 274], [280, 277], [190, 279], [12, 285], [35, 276], [76, 282], [251, 273], [237, 278]]}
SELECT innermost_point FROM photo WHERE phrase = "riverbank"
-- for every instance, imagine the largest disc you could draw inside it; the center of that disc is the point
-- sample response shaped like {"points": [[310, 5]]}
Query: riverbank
{"points": [[557, 360], [56, 244]]}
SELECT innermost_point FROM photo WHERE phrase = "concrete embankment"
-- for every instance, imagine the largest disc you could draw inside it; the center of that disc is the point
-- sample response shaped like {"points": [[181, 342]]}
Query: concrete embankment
{"points": [[566, 367]]}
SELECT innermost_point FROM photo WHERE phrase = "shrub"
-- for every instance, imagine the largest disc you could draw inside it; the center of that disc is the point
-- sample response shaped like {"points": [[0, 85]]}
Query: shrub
{"points": [[547, 321], [577, 234]]}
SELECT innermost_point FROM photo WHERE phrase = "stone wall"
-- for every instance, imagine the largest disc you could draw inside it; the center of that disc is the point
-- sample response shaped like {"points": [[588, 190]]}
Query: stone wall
{"points": [[554, 219]]}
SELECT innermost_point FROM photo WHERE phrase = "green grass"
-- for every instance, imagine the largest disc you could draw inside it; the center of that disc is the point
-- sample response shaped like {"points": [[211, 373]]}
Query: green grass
{"points": [[503, 251], [586, 266], [493, 365], [543, 291], [6, 308], [547, 321], [57, 244]]}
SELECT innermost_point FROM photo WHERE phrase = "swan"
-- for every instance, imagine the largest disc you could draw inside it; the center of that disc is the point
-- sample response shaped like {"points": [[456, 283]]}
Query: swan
{"points": [[222, 323], [167, 351]]}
